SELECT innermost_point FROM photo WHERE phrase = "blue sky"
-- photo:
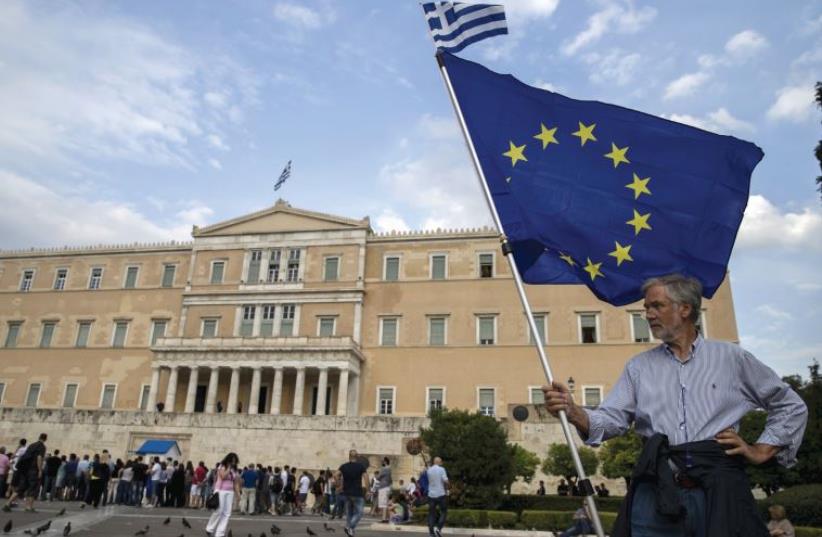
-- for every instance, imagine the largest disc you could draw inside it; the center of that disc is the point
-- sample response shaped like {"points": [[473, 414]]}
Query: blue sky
{"points": [[131, 121]]}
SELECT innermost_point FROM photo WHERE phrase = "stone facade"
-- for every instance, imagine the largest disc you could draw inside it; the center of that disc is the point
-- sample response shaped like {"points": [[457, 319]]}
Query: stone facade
{"points": [[292, 320]]}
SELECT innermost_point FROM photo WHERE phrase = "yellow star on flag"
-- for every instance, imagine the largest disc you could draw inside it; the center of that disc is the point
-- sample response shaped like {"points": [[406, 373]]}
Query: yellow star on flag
{"points": [[622, 253], [639, 221], [639, 186], [567, 258], [546, 136], [617, 155], [585, 132], [593, 269], [515, 153]]}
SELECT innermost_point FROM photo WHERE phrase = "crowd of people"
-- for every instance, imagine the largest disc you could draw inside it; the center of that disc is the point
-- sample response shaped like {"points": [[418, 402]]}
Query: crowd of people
{"points": [[32, 472]]}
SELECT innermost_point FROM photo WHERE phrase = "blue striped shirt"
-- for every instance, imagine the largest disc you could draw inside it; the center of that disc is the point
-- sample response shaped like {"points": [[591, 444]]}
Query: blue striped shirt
{"points": [[695, 399]]}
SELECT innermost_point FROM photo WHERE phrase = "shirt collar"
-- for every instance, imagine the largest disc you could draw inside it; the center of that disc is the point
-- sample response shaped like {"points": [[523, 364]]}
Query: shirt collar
{"points": [[695, 346]]}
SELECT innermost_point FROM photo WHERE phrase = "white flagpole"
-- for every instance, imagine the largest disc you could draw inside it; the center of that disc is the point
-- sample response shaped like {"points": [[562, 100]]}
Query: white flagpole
{"points": [[506, 250]]}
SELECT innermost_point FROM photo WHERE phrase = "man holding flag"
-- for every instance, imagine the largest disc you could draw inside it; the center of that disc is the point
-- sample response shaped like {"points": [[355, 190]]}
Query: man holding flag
{"points": [[587, 192]]}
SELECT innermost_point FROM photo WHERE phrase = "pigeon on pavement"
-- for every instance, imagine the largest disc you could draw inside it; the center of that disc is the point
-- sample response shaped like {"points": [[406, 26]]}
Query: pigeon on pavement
{"points": [[308, 531], [166, 521], [7, 527], [67, 529], [186, 523], [142, 531]]}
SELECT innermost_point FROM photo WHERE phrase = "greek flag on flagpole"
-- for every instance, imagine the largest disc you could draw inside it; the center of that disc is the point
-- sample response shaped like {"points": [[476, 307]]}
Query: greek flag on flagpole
{"points": [[455, 25], [283, 176]]}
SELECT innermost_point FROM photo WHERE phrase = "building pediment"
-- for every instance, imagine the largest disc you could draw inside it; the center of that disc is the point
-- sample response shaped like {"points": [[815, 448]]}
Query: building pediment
{"points": [[281, 218]]}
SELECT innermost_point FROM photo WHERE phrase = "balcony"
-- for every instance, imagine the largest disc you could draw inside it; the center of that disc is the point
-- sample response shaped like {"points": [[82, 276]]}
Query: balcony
{"points": [[340, 346]]}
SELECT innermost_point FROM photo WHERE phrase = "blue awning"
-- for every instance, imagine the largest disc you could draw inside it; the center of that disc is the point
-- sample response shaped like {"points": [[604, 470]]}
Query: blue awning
{"points": [[157, 447]]}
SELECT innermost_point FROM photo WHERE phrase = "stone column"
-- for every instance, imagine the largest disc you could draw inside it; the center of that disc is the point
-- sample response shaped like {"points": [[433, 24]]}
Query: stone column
{"points": [[254, 398], [211, 396], [233, 390], [153, 389], [299, 387], [322, 387], [342, 393], [171, 391], [191, 395], [277, 390]]}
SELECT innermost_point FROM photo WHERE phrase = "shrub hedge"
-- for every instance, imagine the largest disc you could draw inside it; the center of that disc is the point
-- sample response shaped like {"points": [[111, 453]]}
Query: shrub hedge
{"points": [[802, 503], [807, 532], [530, 502], [471, 518], [560, 520]]}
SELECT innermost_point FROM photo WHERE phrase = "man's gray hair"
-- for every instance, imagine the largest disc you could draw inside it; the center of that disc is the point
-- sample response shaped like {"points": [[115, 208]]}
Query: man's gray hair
{"points": [[681, 290]]}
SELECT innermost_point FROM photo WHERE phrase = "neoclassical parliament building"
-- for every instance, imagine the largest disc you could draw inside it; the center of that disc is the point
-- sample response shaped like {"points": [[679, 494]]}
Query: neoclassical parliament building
{"points": [[294, 335]]}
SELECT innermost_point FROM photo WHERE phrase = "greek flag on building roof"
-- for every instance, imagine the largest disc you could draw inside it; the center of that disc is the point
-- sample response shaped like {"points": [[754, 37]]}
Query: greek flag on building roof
{"points": [[455, 25]]}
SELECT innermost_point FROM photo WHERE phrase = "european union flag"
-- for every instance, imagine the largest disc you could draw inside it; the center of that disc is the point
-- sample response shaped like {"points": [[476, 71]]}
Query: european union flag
{"points": [[599, 194]]}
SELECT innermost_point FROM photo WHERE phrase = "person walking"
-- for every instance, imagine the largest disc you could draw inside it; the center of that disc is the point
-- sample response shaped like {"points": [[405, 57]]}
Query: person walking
{"points": [[354, 478], [197, 484], [248, 495], [29, 473], [276, 491], [227, 484], [437, 498], [5, 465], [98, 478], [305, 486], [384, 491]]}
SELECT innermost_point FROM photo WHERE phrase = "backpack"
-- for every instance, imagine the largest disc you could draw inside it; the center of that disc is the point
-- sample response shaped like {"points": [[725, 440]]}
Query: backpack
{"points": [[277, 484]]}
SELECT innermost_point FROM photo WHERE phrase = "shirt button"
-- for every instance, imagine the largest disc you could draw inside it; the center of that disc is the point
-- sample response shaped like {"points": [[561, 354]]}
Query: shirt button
{"points": [[681, 427]]}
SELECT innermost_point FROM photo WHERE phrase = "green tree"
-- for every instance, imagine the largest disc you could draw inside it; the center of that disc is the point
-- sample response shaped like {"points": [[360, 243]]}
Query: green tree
{"points": [[809, 458], [559, 461], [770, 476], [619, 455], [525, 463], [476, 454]]}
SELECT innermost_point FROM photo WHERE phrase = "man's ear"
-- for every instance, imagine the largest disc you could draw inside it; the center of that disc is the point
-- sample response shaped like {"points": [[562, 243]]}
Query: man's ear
{"points": [[685, 310]]}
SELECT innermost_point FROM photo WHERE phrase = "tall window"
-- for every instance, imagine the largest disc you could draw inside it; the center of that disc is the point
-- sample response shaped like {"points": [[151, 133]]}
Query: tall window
{"points": [[144, 391], [168, 275], [2, 391], [701, 324], [486, 265], [274, 267], [385, 400], [536, 396], [287, 323], [391, 272], [107, 396], [267, 322], [486, 329], [33, 395], [640, 328], [158, 330], [217, 270], [539, 320], [592, 396], [131, 277], [439, 270], [388, 331], [26, 281], [486, 403], [96, 278], [47, 334], [247, 322], [60, 279], [332, 267], [436, 330], [120, 331], [83, 331], [254, 266], [209, 328], [588, 328], [70, 396], [293, 273], [327, 326], [12, 334], [435, 399]]}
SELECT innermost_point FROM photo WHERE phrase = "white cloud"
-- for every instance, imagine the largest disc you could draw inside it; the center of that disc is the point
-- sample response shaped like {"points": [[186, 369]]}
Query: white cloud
{"points": [[388, 220], [27, 207], [720, 121], [217, 142], [105, 87], [745, 44], [766, 227], [616, 67], [793, 103], [773, 313], [808, 286], [434, 178], [624, 19], [546, 85], [307, 18], [216, 99], [216, 164], [528, 9], [685, 85]]}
